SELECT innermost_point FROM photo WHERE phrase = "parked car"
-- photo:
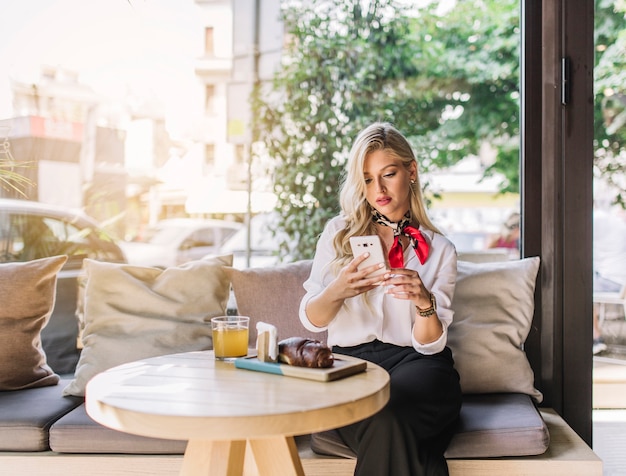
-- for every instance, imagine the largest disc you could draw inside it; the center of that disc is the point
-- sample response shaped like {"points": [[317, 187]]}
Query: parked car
{"points": [[32, 230], [178, 240], [263, 243]]}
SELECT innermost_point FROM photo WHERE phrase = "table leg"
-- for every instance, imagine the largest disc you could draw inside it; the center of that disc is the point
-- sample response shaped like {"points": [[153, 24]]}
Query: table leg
{"points": [[277, 456], [213, 458]]}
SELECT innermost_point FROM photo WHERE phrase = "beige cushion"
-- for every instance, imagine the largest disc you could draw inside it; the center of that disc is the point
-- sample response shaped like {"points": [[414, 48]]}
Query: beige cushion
{"points": [[273, 295], [494, 305], [27, 294], [134, 312]]}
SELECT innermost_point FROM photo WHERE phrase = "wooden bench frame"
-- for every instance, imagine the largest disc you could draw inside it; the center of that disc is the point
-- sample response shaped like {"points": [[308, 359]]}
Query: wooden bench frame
{"points": [[568, 455]]}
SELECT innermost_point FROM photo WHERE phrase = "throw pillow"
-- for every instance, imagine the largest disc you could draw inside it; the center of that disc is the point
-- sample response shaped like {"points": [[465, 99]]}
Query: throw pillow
{"points": [[493, 309], [273, 295], [135, 312], [27, 294]]}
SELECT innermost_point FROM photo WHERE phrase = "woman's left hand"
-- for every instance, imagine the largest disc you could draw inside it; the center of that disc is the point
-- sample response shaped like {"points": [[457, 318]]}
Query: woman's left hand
{"points": [[403, 283]]}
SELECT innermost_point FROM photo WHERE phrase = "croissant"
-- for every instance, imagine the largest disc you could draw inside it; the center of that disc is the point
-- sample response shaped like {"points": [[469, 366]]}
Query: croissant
{"points": [[303, 352]]}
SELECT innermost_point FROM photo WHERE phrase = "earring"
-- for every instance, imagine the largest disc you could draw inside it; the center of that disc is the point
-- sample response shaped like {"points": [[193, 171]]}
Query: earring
{"points": [[412, 182]]}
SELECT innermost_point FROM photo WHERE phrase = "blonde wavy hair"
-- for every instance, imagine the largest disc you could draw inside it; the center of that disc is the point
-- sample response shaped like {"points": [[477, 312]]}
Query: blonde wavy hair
{"points": [[354, 207]]}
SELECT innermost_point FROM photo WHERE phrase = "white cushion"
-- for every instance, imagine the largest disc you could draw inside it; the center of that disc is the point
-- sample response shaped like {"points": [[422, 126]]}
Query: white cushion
{"points": [[134, 312], [494, 305]]}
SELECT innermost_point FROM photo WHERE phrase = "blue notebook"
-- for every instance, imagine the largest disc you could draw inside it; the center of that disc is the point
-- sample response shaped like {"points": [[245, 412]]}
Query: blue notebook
{"points": [[343, 366]]}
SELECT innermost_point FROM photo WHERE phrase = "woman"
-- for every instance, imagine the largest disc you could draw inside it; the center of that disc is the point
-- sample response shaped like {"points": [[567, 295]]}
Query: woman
{"points": [[399, 323], [509, 235]]}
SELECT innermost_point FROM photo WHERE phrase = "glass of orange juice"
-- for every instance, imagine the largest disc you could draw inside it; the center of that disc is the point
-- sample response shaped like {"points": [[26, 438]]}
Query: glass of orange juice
{"points": [[230, 336]]}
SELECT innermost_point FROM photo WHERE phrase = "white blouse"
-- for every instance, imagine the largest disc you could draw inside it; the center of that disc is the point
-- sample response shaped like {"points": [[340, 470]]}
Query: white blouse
{"points": [[377, 315]]}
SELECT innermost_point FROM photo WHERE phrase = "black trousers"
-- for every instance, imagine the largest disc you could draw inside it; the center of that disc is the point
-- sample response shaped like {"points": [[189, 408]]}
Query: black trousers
{"points": [[410, 434]]}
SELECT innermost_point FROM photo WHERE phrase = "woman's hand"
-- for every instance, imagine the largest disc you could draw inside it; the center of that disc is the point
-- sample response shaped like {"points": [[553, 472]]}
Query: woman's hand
{"points": [[403, 283], [407, 284], [351, 281]]}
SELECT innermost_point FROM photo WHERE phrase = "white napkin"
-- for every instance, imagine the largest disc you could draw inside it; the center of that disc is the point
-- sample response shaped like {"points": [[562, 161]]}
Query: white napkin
{"points": [[266, 342]]}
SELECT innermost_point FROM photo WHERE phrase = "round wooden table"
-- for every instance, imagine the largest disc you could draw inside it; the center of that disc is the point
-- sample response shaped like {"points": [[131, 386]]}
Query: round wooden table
{"points": [[222, 410]]}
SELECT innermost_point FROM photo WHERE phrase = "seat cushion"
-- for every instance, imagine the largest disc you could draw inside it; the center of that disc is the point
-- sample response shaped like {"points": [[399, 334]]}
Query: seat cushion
{"points": [[26, 416], [491, 425], [506, 424], [76, 432]]}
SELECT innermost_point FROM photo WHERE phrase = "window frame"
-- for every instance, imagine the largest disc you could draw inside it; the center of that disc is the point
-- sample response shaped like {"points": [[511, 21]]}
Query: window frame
{"points": [[557, 200]]}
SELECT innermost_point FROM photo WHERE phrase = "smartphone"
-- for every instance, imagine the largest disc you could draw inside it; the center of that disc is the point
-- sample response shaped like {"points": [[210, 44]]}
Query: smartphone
{"points": [[369, 244]]}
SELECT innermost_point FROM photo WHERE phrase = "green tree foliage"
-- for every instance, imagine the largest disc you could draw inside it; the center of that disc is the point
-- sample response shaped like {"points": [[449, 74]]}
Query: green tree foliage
{"points": [[449, 80], [469, 65], [610, 93], [346, 67]]}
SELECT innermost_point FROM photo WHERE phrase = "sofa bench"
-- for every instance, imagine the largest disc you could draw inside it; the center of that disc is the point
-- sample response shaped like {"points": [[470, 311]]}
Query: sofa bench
{"points": [[46, 430], [60, 439]]}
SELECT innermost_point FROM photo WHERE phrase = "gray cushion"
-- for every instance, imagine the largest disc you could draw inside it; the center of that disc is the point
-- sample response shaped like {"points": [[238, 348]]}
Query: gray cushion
{"points": [[26, 416], [330, 443], [491, 425], [59, 338], [76, 432]]}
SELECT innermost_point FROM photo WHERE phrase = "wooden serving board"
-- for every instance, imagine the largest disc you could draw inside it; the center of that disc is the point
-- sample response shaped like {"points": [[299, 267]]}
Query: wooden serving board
{"points": [[343, 366]]}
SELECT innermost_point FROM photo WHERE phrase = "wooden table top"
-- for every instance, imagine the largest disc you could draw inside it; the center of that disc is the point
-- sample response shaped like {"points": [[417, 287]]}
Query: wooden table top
{"points": [[193, 396]]}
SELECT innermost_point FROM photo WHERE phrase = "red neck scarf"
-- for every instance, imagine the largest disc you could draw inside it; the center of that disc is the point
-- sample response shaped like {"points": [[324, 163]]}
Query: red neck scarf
{"points": [[403, 227]]}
